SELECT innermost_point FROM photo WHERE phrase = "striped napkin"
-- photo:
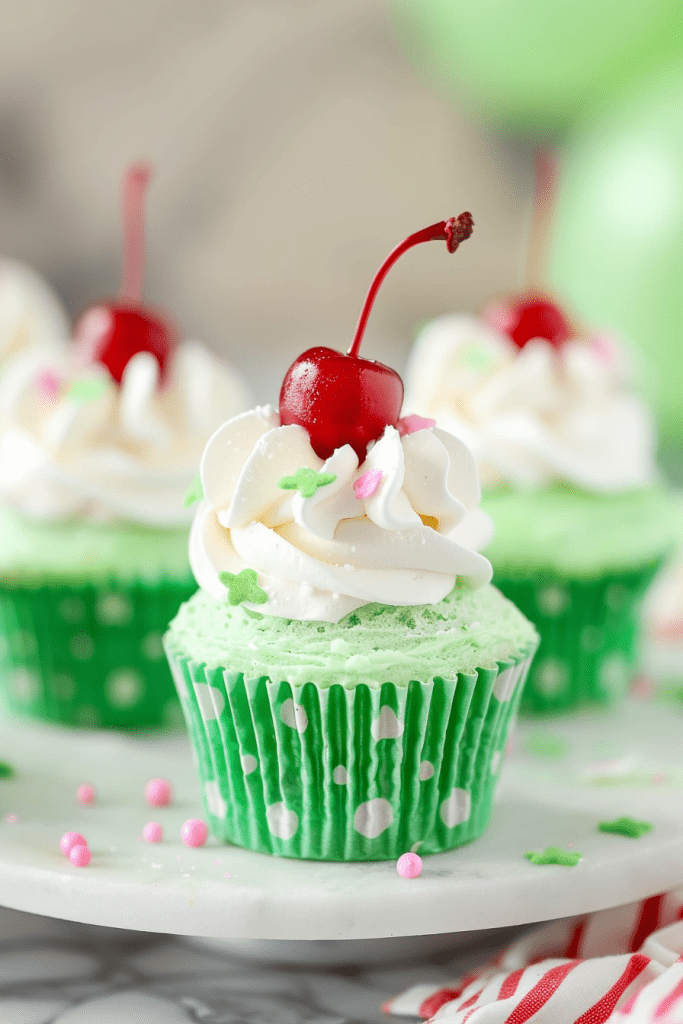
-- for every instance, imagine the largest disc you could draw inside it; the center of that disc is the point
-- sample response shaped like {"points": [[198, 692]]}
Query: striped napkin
{"points": [[622, 966]]}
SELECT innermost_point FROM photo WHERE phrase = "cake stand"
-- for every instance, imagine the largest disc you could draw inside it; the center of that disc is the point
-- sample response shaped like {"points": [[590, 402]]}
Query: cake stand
{"points": [[562, 778]]}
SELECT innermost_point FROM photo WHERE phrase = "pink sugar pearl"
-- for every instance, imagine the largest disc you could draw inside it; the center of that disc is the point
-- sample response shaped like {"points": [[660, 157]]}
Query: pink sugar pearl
{"points": [[85, 794], [79, 855], [152, 832], [409, 865], [193, 832], [158, 792], [69, 840]]}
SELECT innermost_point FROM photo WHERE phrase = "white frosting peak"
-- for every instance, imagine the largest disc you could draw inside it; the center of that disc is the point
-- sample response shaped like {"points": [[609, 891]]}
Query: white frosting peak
{"points": [[30, 311], [104, 450], [535, 415], [324, 537]]}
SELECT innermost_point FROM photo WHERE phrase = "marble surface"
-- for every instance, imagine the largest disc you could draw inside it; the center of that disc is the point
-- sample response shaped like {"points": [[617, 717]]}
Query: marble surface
{"points": [[56, 972]]}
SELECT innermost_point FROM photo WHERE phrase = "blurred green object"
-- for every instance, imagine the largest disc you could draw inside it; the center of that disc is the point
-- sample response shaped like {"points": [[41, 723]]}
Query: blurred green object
{"points": [[617, 245], [534, 67]]}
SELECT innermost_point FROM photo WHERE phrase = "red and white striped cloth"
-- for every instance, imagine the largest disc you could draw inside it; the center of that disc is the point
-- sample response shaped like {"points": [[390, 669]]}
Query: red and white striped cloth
{"points": [[622, 966]]}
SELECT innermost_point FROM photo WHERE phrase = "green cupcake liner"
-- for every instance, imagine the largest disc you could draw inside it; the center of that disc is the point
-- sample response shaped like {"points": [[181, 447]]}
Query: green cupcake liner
{"points": [[348, 774], [90, 655], [590, 632]]}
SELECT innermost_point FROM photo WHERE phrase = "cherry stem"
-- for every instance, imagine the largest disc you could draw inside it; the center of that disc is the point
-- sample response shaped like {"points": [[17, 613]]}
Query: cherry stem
{"points": [[135, 182], [453, 231], [546, 168]]}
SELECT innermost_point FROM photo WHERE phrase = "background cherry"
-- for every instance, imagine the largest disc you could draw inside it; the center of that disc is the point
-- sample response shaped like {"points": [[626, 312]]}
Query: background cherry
{"points": [[112, 332], [530, 316], [343, 399]]}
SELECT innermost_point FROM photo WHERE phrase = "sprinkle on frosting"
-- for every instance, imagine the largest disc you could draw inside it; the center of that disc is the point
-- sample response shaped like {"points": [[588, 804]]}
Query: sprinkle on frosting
{"points": [[87, 389], [194, 493], [411, 424], [306, 481], [243, 586], [366, 484], [554, 855], [626, 826]]}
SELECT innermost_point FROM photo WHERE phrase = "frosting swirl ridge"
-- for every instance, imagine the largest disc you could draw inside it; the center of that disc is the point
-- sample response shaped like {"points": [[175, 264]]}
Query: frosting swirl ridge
{"points": [[325, 538], [536, 415], [74, 443]]}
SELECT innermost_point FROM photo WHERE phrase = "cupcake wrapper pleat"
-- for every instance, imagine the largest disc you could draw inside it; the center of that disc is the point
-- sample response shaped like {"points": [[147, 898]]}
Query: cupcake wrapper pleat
{"points": [[590, 632], [90, 655], [348, 774]]}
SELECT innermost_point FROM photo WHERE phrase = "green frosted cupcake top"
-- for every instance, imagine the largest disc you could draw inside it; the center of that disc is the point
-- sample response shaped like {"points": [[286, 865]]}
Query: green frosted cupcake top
{"points": [[375, 644], [578, 533], [32, 552]]}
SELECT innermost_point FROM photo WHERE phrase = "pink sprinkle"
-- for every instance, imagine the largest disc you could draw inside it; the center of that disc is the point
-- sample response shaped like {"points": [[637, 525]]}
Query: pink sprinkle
{"points": [[658, 778], [409, 865], [193, 832], [153, 832], [498, 315], [11, 819], [158, 792], [227, 875], [85, 794], [79, 856], [411, 424], [69, 840], [366, 485], [642, 687], [49, 383]]}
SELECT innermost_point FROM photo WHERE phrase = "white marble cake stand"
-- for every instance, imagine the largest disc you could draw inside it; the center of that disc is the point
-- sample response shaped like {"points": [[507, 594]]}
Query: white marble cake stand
{"points": [[565, 776]]}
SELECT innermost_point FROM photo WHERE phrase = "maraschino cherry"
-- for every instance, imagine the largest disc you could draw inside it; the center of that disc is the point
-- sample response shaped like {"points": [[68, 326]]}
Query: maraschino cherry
{"points": [[343, 399], [112, 332], [529, 316]]}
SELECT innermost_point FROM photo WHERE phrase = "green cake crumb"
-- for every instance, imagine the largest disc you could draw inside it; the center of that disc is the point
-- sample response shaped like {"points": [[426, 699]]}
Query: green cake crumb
{"points": [[626, 827], [545, 745], [374, 644], [554, 855], [6, 770]]}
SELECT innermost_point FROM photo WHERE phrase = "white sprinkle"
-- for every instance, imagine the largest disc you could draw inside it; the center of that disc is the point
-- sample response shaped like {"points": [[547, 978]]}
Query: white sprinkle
{"points": [[157, 865], [349, 566], [473, 625], [186, 875], [252, 645]]}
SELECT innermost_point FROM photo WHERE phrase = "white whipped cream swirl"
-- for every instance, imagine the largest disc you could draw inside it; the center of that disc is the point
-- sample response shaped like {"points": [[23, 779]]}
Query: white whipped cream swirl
{"points": [[74, 443], [30, 311], [405, 542], [535, 415]]}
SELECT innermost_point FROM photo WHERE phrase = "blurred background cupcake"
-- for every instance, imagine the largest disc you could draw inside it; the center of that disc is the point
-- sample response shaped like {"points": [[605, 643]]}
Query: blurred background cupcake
{"points": [[566, 450], [99, 441]]}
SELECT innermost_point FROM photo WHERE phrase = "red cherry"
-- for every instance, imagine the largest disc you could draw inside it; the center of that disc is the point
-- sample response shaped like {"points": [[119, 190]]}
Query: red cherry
{"points": [[343, 399], [530, 316], [112, 332]]}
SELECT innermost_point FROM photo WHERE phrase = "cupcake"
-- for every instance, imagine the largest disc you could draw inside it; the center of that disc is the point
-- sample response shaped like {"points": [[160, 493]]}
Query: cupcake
{"points": [[99, 442], [566, 454], [348, 675]]}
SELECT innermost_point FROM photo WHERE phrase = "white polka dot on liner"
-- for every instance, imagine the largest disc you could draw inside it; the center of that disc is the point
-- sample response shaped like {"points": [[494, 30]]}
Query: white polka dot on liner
{"points": [[551, 676], [388, 726], [214, 799], [249, 763], [552, 600], [124, 688], [211, 701], [455, 809], [25, 684], [282, 822], [294, 715], [340, 776], [426, 771], [373, 817], [152, 647], [113, 609]]}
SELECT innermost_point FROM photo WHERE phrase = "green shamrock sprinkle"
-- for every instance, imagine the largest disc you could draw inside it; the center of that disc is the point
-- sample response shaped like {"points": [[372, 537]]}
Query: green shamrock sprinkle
{"points": [[6, 770], [87, 389], [243, 587], [545, 745], [554, 855], [626, 827], [306, 481], [195, 492]]}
